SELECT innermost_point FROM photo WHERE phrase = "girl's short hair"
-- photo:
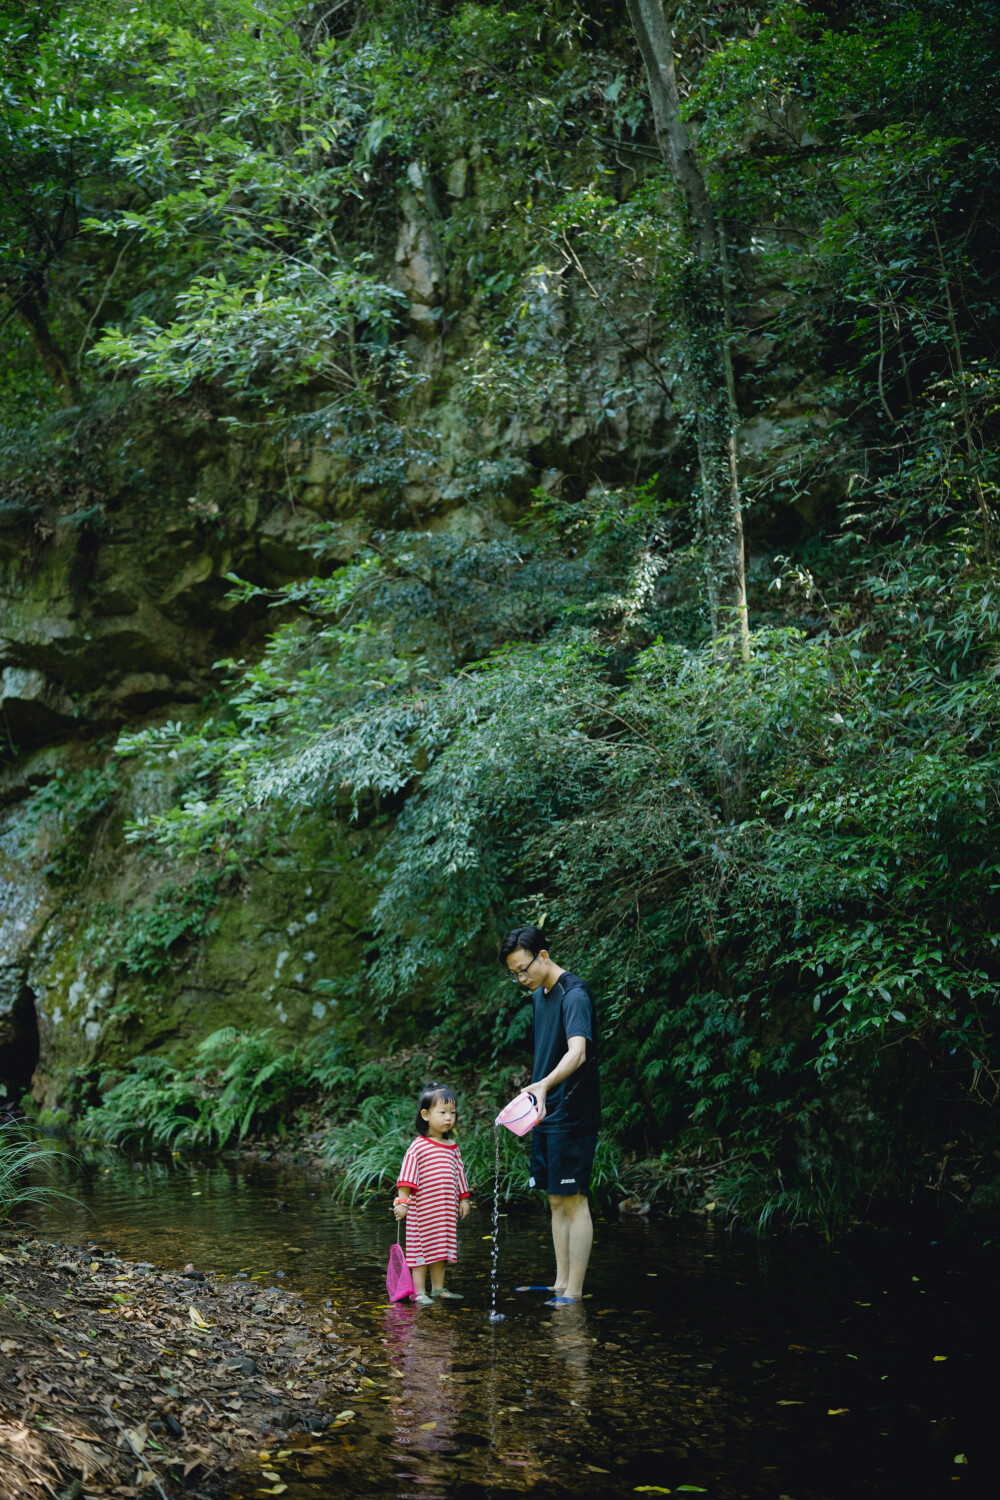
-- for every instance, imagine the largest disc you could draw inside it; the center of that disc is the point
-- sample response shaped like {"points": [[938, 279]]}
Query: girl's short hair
{"points": [[434, 1093]]}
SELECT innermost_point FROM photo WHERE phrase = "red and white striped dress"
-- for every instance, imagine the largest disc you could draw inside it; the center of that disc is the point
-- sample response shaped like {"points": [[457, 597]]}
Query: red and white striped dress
{"points": [[434, 1173]]}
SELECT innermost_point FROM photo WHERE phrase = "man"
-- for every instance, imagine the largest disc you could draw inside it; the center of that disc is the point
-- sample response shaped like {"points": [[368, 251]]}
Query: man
{"points": [[567, 1088]]}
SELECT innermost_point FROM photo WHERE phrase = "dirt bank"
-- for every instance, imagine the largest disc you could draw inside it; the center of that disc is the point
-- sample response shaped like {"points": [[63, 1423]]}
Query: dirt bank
{"points": [[118, 1378]]}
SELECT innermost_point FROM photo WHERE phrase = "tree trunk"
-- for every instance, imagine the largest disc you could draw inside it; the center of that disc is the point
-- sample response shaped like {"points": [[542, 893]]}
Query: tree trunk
{"points": [[30, 308], [705, 313]]}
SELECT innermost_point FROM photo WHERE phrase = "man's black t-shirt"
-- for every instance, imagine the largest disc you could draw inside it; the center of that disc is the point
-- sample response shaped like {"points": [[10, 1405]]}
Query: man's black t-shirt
{"points": [[567, 1010]]}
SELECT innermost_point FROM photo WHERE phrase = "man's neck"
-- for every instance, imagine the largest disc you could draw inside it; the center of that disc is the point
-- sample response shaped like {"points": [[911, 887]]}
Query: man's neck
{"points": [[552, 974]]}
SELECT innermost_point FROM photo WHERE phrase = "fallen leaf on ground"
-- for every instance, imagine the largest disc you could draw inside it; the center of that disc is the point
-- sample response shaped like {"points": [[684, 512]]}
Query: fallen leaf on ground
{"points": [[837, 1411], [427, 1426], [196, 1318], [652, 1489], [197, 1456], [938, 1358]]}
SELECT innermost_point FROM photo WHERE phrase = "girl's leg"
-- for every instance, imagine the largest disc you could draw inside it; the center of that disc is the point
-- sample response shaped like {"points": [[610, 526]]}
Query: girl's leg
{"points": [[437, 1282], [418, 1273]]}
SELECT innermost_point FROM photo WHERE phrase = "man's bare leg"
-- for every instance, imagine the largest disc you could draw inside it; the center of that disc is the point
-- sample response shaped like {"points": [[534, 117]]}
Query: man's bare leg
{"points": [[560, 1241], [577, 1233]]}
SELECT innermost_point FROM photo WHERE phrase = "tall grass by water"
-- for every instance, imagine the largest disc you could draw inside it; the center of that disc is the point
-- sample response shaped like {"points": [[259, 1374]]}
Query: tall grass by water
{"points": [[368, 1149], [21, 1156]]}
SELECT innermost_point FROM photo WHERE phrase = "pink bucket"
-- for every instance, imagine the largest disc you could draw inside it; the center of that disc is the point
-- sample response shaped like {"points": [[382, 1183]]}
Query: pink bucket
{"points": [[520, 1115], [398, 1281]]}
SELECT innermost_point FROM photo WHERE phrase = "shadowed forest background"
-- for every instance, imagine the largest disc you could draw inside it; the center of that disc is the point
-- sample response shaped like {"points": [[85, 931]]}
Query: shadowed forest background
{"points": [[386, 390]]}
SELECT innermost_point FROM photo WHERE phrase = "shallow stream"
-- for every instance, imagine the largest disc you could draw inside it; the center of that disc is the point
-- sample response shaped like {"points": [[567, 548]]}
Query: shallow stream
{"points": [[701, 1361]]}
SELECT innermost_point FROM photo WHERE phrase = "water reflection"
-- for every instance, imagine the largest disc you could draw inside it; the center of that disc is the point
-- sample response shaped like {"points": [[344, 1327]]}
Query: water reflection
{"points": [[426, 1411], [739, 1368]]}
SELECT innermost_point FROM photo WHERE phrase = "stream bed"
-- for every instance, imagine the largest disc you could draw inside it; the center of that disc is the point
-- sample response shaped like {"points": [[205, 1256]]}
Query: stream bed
{"points": [[702, 1361]]}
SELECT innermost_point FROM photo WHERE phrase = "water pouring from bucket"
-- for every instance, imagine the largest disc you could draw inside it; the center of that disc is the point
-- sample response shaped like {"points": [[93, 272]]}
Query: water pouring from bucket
{"points": [[520, 1115]]}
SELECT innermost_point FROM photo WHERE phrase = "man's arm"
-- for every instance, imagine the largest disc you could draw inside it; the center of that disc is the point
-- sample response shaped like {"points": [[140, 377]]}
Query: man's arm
{"points": [[575, 1057]]}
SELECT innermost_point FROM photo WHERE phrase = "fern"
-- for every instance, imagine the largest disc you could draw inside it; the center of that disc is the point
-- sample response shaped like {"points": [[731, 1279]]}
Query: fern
{"points": [[240, 1081]]}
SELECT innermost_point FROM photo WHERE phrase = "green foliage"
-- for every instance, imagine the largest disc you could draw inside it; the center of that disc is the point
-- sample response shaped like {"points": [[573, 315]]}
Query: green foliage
{"points": [[780, 870], [890, 298], [779, 875], [261, 338], [67, 813], [148, 939], [238, 1083]]}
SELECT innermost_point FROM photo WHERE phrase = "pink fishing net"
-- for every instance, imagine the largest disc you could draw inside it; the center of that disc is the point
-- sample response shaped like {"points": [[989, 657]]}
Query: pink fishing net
{"points": [[398, 1281]]}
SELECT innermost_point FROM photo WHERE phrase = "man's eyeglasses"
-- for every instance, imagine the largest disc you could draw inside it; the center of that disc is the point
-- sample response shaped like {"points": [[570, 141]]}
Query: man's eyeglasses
{"points": [[517, 975]]}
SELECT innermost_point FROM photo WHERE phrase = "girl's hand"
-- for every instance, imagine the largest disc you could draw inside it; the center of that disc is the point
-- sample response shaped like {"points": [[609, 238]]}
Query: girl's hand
{"points": [[399, 1207], [463, 1208]]}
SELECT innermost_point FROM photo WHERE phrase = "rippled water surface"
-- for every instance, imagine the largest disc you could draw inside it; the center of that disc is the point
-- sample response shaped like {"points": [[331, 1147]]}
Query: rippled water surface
{"points": [[700, 1361]]}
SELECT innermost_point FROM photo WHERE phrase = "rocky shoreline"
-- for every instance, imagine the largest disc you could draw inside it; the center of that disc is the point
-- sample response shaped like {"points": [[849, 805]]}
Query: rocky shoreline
{"points": [[121, 1378]]}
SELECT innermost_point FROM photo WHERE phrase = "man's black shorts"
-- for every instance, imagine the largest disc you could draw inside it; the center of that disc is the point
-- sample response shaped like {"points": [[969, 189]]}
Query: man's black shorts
{"points": [[561, 1161]]}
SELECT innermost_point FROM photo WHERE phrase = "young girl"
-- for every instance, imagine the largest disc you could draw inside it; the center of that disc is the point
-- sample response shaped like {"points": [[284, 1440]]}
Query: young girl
{"points": [[433, 1193]]}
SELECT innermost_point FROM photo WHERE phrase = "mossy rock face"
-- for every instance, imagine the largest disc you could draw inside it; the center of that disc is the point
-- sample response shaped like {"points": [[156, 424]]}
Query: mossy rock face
{"points": [[108, 979], [257, 969], [273, 940], [105, 621]]}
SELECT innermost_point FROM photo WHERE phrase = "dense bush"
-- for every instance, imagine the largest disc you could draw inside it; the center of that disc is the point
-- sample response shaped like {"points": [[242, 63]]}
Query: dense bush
{"points": [[777, 873]]}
